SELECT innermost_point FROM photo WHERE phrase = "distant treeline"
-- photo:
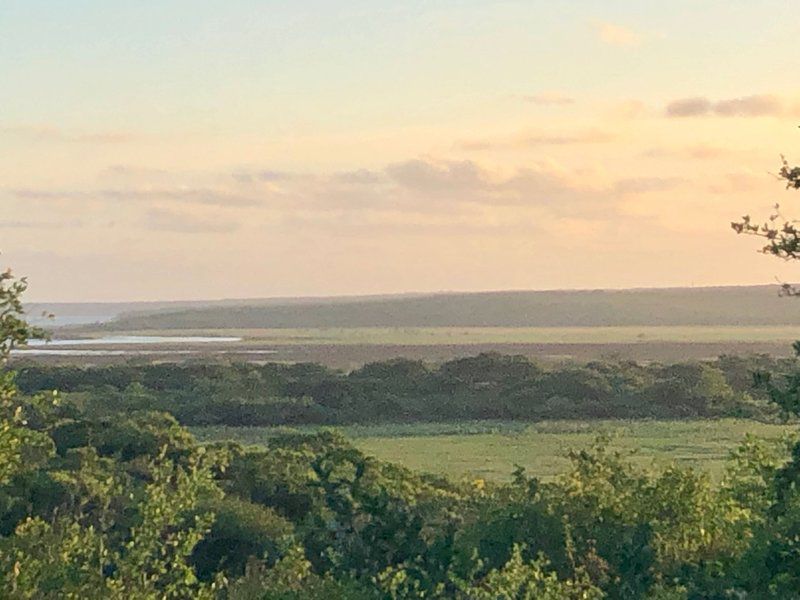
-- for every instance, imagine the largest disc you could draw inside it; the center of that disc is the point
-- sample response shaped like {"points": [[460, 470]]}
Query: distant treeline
{"points": [[487, 386], [724, 306]]}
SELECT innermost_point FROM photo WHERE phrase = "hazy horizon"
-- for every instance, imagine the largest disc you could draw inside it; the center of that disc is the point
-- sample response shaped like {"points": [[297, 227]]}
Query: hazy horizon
{"points": [[186, 151], [375, 299], [413, 293]]}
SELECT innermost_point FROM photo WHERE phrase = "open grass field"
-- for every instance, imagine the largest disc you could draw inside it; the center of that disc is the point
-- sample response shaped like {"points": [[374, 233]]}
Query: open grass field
{"points": [[491, 449]]}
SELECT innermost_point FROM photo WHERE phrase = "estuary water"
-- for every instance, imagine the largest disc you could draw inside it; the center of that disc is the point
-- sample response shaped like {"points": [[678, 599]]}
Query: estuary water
{"points": [[114, 340], [89, 346]]}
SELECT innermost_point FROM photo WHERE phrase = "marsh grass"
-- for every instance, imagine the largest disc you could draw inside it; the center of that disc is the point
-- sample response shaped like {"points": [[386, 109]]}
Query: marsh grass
{"points": [[492, 449]]}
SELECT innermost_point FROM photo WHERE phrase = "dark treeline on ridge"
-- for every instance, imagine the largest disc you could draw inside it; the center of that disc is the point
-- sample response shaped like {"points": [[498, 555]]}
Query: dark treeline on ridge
{"points": [[746, 305], [487, 386]]}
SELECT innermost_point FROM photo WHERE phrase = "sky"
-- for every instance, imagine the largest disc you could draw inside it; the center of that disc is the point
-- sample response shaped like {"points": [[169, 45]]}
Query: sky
{"points": [[177, 150]]}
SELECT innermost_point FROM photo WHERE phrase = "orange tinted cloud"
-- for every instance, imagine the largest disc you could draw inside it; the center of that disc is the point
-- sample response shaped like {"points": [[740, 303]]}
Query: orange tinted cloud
{"points": [[618, 35]]}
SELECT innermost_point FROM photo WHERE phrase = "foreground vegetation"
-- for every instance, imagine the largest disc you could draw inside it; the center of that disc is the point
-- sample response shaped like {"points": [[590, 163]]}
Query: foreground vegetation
{"points": [[104, 499]]}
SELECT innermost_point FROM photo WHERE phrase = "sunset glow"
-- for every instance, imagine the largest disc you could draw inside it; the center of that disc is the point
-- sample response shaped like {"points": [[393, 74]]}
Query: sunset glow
{"points": [[251, 149]]}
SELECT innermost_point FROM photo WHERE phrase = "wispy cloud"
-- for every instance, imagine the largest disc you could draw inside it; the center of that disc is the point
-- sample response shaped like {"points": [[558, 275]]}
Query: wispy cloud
{"points": [[530, 140], [756, 105], [438, 176], [360, 176], [183, 195], [40, 224], [136, 175], [629, 109], [694, 152], [425, 189], [443, 187], [618, 35], [549, 99], [738, 181], [161, 219], [644, 185], [263, 175]]}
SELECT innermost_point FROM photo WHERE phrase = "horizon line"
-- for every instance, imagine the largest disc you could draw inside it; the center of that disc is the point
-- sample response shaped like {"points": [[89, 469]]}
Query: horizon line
{"points": [[410, 294]]}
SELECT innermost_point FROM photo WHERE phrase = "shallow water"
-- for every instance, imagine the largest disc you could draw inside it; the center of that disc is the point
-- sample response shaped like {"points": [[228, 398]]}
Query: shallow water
{"points": [[76, 352], [88, 346], [132, 339], [87, 352]]}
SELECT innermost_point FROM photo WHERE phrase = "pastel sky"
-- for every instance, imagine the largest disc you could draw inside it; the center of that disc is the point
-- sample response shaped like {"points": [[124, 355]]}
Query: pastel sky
{"points": [[241, 148]]}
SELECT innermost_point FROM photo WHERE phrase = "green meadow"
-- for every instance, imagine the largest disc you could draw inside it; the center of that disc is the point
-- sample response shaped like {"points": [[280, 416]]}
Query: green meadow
{"points": [[492, 449]]}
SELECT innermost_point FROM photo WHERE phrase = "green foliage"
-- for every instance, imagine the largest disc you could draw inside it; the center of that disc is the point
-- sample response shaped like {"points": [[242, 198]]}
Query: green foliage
{"points": [[20, 448], [67, 559], [63, 559], [14, 329], [83, 526], [522, 580], [153, 562], [108, 496], [292, 578], [487, 386], [240, 531], [780, 232]]}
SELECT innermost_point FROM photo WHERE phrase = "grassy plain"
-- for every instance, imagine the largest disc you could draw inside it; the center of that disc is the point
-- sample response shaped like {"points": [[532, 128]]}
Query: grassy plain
{"points": [[491, 449]]}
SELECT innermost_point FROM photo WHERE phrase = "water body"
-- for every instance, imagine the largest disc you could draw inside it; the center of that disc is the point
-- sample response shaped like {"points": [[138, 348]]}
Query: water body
{"points": [[115, 340], [88, 346], [76, 352], [86, 352]]}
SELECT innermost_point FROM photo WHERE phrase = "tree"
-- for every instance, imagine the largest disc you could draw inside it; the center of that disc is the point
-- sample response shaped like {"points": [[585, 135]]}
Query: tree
{"points": [[20, 448], [782, 234], [776, 545], [82, 547]]}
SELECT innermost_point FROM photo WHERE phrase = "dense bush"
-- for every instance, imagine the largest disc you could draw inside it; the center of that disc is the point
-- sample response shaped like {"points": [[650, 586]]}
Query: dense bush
{"points": [[487, 386]]}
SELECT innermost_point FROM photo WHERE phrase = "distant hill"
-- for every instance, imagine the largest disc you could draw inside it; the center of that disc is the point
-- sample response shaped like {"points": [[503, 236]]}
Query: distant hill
{"points": [[750, 305], [56, 314]]}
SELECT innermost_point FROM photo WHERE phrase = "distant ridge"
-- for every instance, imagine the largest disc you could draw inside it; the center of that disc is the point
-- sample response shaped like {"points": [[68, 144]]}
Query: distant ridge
{"points": [[709, 306], [84, 313]]}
